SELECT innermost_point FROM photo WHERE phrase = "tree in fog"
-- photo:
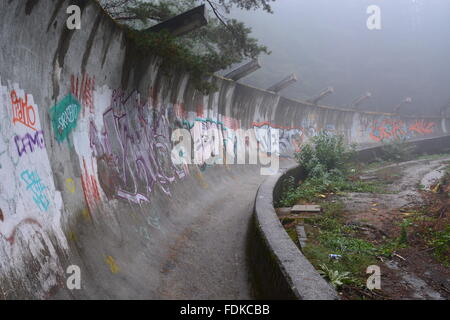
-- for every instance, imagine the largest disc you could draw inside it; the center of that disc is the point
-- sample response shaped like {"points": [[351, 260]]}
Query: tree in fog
{"points": [[218, 45]]}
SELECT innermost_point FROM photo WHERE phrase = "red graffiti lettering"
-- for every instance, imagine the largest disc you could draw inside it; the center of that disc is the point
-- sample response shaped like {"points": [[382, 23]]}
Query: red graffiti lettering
{"points": [[22, 112], [83, 90], [422, 127], [90, 187]]}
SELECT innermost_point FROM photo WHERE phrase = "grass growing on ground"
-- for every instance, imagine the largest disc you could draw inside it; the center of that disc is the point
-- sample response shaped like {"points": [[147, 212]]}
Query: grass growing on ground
{"points": [[329, 234], [315, 188], [440, 242], [430, 228], [429, 225]]}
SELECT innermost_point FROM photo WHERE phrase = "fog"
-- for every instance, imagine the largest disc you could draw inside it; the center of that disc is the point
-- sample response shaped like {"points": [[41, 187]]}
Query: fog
{"points": [[327, 43]]}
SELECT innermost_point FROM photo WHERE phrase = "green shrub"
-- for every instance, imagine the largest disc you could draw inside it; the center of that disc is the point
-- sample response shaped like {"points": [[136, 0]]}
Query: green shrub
{"points": [[326, 153], [335, 277], [397, 150], [326, 165], [440, 241]]}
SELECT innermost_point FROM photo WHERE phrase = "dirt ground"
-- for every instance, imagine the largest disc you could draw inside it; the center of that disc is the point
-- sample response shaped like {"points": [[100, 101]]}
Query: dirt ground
{"points": [[410, 187]]}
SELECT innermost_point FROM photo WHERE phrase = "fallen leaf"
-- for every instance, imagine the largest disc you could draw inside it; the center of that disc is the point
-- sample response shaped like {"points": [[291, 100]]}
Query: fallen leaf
{"points": [[436, 188]]}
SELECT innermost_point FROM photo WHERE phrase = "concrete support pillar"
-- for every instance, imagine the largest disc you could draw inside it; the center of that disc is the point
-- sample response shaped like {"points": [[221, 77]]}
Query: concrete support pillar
{"points": [[360, 100], [325, 92], [286, 82], [183, 23], [244, 70], [404, 101]]}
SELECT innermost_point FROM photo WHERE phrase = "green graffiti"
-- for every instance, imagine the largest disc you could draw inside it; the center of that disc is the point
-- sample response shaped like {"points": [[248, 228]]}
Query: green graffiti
{"points": [[64, 116]]}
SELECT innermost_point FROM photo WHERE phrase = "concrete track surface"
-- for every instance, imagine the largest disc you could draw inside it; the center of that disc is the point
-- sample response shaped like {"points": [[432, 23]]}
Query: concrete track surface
{"points": [[201, 255]]}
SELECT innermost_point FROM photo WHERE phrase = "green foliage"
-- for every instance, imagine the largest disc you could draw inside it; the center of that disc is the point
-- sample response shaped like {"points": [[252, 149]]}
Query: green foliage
{"points": [[397, 150], [326, 154], [332, 236], [218, 45], [388, 248], [403, 239], [247, 4], [175, 56], [292, 232], [326, 164], [335, 277], [440, 241]]}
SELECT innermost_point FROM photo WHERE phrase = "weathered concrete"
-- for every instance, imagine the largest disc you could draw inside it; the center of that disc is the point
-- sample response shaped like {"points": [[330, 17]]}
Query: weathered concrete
{"points": [[86, 171], [280, 270]]}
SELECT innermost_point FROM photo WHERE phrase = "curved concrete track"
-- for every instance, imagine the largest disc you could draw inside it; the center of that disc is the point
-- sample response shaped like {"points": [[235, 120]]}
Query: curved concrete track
{"points": [[201, 256], [208, 258]]}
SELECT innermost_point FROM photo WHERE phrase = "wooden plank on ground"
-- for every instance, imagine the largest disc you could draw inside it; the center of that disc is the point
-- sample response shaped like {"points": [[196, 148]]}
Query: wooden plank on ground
{"points": [[305, 208]]}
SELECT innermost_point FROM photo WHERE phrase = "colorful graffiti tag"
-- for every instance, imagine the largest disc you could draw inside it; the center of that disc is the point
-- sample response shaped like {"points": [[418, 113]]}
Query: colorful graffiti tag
{"points": [[64, 117], [22, 111], [83, 90], [34, 184], [31, 141], [422, 127], [133, 149], [392, 129], [90, 187], [30, 205], [291, 138]]}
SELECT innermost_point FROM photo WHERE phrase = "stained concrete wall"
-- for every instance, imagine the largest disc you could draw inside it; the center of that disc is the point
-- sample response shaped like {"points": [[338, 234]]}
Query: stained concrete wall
{"points": [[280, 270], [85, 139]]}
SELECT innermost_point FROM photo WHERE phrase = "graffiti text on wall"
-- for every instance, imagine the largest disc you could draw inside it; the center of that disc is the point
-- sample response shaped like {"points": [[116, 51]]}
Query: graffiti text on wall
{"points": [[34, 184], [22, 112], [90, 187], [422, 127], [133, 150], [388, 129], [64, 117], [31, 141], [83, 90]]}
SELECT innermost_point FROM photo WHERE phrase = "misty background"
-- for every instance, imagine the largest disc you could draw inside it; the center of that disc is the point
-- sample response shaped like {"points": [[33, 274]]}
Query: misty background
{"points": [[327, 43]]}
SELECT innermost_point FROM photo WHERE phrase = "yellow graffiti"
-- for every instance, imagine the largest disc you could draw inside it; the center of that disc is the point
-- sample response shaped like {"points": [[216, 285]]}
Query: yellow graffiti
{"points": [[112, 264], [86, 214], [72, 236], [70, 185], [201, 179]]}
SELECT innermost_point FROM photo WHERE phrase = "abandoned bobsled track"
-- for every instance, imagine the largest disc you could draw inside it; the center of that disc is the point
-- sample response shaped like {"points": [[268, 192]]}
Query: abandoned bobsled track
{"points": [[86, 176]]}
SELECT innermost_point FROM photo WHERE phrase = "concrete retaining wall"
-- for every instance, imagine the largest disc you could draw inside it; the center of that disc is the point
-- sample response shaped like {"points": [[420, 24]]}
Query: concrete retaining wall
{"points": [[85, 141], [280, 269]]}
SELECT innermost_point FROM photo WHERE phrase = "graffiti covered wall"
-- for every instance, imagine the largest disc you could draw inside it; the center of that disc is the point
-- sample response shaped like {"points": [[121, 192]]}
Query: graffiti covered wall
{"points": [[86, 139]]}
